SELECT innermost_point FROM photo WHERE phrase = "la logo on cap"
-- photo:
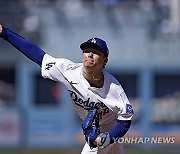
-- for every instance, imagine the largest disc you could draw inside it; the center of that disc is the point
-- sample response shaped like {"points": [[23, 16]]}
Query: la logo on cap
{"points": [[93, 40]]}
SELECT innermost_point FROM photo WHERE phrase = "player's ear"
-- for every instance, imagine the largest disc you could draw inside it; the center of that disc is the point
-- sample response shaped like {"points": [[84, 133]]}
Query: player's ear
{"points": [[105, 61]]}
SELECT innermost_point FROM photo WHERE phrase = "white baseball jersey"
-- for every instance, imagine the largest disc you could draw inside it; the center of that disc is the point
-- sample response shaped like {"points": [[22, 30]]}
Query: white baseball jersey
{"points": [[111, 98]]}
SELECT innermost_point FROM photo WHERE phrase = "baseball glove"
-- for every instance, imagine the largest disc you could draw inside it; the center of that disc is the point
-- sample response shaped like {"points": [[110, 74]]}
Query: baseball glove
{"points": [[90, 126]]}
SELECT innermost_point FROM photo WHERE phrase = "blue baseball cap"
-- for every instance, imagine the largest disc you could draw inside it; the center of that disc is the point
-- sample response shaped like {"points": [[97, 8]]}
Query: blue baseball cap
{"points": [[96, 43]]}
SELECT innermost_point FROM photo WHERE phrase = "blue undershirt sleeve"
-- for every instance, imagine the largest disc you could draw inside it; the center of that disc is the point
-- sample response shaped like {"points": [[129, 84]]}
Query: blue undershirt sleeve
{"points": [[119, 130], [29, 49]]}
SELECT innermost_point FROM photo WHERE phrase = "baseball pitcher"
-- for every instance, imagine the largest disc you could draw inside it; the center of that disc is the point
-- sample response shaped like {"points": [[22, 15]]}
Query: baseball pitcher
{"points": [[97, 96]]}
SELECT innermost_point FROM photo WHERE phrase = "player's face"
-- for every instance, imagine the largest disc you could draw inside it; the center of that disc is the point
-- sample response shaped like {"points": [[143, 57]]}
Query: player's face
{"points": [[93, 58]]}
